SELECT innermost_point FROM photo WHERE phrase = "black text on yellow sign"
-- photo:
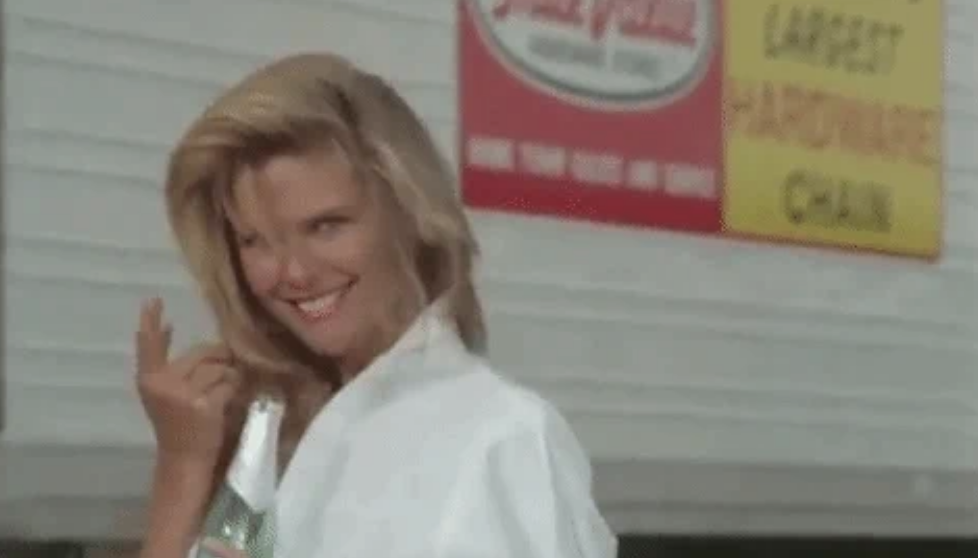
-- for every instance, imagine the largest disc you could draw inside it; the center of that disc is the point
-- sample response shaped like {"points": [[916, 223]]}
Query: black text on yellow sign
{"points": [[834, 123]]}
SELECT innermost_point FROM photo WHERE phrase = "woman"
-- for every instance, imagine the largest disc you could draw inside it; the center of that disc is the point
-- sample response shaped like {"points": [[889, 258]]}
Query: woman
{"points": [[324, 230]]}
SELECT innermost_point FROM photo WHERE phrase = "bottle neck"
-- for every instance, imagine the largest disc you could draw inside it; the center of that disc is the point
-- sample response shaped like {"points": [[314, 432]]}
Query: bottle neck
{"points": [[253, 473]]}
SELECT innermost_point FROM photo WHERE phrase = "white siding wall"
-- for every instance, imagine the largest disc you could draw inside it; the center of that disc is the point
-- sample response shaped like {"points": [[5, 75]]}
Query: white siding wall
{"points": [[718, 385]]}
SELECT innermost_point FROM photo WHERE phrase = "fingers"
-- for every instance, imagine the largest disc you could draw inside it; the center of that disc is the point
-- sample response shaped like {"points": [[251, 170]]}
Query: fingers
{"points": [[166, 341], [153, 337], [207, 376], [218, 396], [204, 373], [222, 393], [210, 353]]}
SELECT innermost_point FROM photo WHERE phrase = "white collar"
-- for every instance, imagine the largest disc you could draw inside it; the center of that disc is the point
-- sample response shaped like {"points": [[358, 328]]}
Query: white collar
{"points": [[429, 350]]}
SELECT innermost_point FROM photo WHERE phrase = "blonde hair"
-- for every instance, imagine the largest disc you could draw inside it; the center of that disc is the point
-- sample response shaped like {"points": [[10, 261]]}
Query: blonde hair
{"points": [[294, 105]]}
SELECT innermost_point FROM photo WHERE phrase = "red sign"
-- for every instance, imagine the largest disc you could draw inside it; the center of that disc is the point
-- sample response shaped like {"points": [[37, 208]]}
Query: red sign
{"points": [[604, 110]]}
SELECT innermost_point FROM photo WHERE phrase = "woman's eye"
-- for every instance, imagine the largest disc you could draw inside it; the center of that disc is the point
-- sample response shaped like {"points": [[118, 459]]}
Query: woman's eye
{"points": [[247, 240], [329, 225]]}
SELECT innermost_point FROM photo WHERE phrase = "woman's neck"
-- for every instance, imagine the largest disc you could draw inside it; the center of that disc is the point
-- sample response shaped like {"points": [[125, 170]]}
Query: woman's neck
{"points": [[375, 343]]}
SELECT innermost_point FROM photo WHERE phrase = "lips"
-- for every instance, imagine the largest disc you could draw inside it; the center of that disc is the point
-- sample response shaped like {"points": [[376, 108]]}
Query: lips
{"points": [[322, 307]]}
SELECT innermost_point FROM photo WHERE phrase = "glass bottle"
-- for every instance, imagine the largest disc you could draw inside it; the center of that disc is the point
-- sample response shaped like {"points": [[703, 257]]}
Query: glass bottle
{"points": [[242, 514]]}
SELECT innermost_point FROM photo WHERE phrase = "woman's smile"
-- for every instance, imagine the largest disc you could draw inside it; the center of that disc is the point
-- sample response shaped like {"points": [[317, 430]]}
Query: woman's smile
{"points": [[320, 309]]}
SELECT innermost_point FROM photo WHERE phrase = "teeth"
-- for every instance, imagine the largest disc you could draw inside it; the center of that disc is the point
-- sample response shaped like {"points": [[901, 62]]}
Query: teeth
{"points": [[321, 305]]}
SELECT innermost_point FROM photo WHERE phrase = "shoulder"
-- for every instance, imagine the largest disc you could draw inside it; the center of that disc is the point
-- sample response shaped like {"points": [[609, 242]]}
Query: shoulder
{"points": [[508, 421], [494, 406], [525, 473]]}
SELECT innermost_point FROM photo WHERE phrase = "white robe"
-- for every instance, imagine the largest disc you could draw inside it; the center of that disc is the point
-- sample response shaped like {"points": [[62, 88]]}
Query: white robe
{"points": [[429, 453]]}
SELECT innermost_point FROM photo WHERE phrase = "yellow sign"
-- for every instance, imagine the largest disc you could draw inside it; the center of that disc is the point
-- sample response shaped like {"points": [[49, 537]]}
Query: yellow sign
{"points": [[834, 123]]}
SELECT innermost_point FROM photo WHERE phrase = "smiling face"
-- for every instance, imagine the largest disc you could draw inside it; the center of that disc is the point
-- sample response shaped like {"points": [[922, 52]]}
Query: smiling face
{"points": [[318, 254]]}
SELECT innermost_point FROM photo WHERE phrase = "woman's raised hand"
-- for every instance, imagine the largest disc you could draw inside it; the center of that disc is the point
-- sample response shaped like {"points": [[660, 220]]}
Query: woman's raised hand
{"points": [[186, 398]]}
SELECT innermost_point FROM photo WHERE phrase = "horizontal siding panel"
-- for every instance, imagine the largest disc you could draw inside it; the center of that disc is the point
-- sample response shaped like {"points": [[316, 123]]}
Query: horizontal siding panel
{"points": [[440, 11], [88, 475], [958, 159], [54, 149], [960, 17], [155, 109], [95, 313], [30, 191], [700, 438], [107, 417], [876, 405], [684, 356], [71, 257], [961, 228], [69, 366], [40, 42], [270, 29], [124, 50], [721, 309], [687, 270]]}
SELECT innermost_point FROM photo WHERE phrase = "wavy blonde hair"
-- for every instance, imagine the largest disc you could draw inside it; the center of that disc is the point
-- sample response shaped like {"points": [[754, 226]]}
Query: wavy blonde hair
{"points": [[292, 106]]}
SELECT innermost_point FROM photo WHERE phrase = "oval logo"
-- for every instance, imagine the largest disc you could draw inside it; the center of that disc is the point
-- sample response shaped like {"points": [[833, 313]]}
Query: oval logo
{"points": [[610, 53]]}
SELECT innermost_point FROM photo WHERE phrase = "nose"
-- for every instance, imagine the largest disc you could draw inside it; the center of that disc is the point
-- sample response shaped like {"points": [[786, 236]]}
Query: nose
{"points": [[296, 270]]}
